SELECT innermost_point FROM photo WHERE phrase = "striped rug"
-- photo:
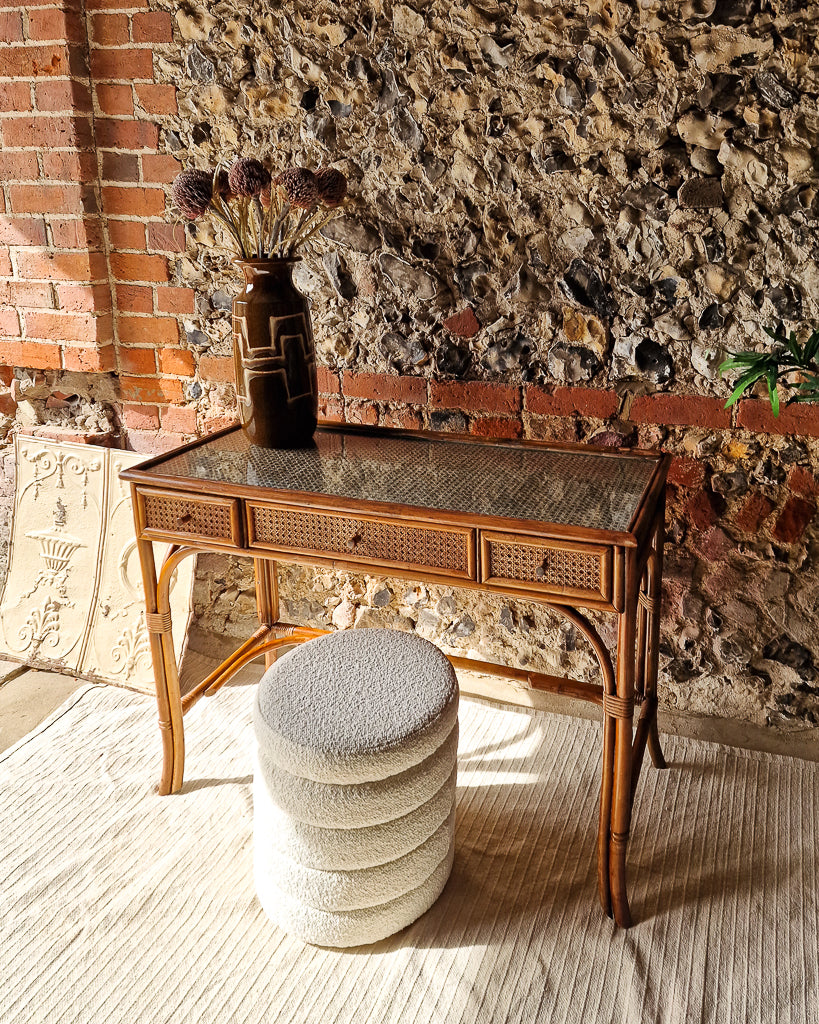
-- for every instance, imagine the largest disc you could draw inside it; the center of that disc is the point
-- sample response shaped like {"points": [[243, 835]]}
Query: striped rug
{"points": [[119, 905]]}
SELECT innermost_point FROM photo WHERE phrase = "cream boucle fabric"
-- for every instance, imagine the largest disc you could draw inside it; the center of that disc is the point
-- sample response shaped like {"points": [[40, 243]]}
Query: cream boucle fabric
{"points": [[354, 890], [347, 849], [356, 706], [351, 927], [366, 803], [354, 785]]}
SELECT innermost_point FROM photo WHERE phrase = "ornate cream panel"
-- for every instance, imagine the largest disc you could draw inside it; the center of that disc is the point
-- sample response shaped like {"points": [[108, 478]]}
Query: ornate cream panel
{"points": [[73, 598]]}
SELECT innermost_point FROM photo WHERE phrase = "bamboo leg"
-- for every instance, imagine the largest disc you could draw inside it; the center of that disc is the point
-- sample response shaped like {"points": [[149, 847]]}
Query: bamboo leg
{"points": [[604, 827], [622, 709], [164, 628], [653, 654], [641, 670], [267, 598], [167, 682]]}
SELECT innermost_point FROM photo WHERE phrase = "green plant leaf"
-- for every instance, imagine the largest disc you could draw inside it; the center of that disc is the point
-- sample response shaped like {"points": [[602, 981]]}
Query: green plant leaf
{"points": [[740, 359], [745, 381], [773, 392], [794, 347], [812, 346]]}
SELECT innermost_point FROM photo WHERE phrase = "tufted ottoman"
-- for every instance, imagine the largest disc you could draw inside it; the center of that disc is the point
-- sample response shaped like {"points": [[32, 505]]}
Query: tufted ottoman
{"points": [[354, 785]]}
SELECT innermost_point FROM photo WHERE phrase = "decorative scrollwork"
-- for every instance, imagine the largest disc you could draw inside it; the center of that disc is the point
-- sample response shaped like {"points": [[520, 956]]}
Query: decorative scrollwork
{"points": [[49, 462], [41, 628]]}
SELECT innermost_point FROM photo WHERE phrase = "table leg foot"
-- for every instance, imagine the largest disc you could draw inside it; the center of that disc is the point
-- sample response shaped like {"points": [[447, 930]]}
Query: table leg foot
{"points": [[654, 748], [619, 896]]}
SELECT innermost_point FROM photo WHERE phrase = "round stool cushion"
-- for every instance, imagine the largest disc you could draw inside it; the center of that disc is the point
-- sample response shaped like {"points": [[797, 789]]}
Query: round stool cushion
{"points": [[356, 706], [359, 804], [350, 927], [346, 849], [366, 887]]}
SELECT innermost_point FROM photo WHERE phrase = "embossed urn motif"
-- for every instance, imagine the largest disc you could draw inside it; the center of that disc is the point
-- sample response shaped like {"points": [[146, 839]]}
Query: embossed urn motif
{"points": [[274, 356]]}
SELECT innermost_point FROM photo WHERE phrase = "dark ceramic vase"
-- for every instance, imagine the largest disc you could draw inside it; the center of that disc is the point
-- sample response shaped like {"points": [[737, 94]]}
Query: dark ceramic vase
{"points": [[274, 357]]}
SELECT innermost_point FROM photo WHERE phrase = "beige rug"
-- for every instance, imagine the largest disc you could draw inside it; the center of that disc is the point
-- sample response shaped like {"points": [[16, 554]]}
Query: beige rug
{"points": [[118, 905]]}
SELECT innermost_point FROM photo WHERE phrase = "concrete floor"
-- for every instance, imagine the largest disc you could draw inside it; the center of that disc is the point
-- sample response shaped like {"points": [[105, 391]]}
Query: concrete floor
{"points": [[27, 696]]}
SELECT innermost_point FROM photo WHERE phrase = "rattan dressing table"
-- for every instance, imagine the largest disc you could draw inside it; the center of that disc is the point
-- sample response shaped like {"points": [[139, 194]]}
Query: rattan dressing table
{"points": [[569, 526]]}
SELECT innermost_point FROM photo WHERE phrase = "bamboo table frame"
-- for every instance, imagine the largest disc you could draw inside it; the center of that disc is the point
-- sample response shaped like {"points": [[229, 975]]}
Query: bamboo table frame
{"points": [[615, 570]]}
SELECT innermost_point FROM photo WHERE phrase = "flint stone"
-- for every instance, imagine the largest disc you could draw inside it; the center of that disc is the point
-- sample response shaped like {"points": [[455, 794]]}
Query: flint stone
{"points": [[582, 283], [705, 160], [707, 359], [653, 361], [353, 234], [464, 627], [406, 130], [409, 279], [322, 128], [403, 353], [466, 274], [701, 194], [200, 67], [570, 363], [704, 130], [341, 281], [775, 94], [198, 339], [452, 359], [711, 318], [511, 351], [433, 167]]}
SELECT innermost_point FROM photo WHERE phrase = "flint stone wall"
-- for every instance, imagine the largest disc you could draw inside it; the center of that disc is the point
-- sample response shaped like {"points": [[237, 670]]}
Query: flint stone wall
{"points": [[562, 215], [601, 195]]}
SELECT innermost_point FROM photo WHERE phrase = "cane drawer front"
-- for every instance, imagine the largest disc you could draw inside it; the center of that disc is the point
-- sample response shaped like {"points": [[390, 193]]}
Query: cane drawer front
{"points": [[362, 540], [171, 515], [560, 568]]}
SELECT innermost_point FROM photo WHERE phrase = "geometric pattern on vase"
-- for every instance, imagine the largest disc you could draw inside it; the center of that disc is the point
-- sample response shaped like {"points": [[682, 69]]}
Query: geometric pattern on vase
{"points": [[72, 600]]}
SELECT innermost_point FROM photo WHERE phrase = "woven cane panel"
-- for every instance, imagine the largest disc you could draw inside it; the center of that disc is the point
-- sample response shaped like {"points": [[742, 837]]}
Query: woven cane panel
{"points": [[361, 538], [548, 567], [585, 489], [184, 516]]}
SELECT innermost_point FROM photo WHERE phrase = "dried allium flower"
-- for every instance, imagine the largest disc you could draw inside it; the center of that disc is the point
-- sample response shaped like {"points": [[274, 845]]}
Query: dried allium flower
{"points": [[248, 177], [332, 185], [192, 191], [301, 187]]}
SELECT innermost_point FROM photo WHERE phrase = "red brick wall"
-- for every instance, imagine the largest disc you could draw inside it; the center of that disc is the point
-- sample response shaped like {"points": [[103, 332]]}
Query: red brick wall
{"points": [[84, 279]]}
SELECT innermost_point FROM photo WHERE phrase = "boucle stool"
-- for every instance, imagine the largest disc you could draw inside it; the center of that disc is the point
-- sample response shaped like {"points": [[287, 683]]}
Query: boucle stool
{"points": [[354, 785]]}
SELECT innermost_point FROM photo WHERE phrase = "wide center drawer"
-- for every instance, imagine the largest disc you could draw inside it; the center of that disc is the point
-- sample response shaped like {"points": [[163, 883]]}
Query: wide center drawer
{"points": [[169, 515], [560, 568], [362, 540]]}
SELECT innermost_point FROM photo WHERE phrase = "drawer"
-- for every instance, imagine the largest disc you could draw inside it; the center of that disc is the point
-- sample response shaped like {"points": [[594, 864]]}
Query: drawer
{"points": [[560, 568], [171, 515], [362, 540]]}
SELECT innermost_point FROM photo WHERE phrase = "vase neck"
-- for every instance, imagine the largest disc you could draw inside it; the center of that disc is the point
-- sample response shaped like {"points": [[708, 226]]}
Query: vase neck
{"points": [[257, 270]]}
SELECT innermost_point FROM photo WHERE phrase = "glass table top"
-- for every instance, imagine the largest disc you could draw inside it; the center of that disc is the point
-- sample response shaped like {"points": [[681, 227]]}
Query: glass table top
{"points": [[570, 487]]}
